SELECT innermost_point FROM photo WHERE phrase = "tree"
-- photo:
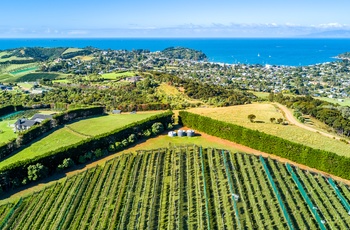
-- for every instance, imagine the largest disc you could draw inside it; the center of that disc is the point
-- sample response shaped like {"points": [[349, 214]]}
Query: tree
{"points": [[157, 128], [67, 163], [279, 120], [251, 117], [37, 171], [132, 138], [272, 119]]}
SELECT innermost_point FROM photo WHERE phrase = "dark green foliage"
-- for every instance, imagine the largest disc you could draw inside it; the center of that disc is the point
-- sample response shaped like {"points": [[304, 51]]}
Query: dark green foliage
{"points": [[10, 109], [157, 128], [184, 53], [315, 158], [76, 53], [37, 76], [67, 163], [132, 138], [38, 53], [37, 171]]}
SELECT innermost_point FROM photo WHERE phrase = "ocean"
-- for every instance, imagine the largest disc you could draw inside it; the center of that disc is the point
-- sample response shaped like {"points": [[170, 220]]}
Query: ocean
{"points": [[276, 51]]}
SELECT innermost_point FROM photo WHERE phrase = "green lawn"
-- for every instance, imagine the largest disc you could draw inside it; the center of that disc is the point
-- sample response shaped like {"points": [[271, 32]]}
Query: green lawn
{"points": [[264, 111], [346, 101], [115, 76], [99, 125], [7, 132], [59, 138]]}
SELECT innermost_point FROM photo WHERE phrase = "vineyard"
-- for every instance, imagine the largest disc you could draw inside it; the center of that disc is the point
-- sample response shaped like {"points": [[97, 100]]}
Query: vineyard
{"points": [[185, 188]]}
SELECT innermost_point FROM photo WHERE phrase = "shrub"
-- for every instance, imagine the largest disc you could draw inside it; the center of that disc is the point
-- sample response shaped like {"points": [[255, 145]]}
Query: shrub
{"points": [[37, 171], [157, 128], [147, 133], [132, 138], [67, 163], [125, 142]]}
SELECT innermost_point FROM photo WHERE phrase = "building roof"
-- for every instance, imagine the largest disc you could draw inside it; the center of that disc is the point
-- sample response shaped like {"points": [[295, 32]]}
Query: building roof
{"points": [[26, 123], [41, 117]]}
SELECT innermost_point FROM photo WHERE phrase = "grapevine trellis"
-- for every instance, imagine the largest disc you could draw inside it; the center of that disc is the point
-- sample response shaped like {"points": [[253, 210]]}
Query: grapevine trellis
{"points": [[186, 187]]}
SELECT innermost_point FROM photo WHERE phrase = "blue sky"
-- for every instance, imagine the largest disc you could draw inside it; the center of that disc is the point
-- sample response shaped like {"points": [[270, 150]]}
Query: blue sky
{"points": [[182, 18]]}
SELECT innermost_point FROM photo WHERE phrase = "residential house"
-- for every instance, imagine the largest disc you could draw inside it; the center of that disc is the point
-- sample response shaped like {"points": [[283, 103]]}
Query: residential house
{"points": [[25, 124]]}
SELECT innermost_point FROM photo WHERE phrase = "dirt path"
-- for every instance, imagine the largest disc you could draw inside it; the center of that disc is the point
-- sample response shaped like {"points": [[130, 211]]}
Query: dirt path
{"points": [[292, 120]]}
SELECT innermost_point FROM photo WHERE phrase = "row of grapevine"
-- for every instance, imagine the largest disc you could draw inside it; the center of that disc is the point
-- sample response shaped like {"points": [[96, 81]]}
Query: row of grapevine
{"points": [[186, 187]]}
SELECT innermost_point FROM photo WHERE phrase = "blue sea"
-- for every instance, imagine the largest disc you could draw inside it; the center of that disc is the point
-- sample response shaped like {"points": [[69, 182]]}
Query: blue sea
{"points": [[290, 52]]}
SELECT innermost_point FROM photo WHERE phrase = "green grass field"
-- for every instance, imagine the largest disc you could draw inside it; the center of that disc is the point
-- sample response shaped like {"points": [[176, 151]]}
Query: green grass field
{"points": [[71, 50], [118, 76], [264, 111], [99, 125], [346, 101], [7, 132], [59, 138], [74, 133]]}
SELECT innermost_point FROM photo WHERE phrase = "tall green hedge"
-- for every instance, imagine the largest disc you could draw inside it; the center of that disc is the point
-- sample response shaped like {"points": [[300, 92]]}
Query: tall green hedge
{"points": [[10, 109], [319, 159]]}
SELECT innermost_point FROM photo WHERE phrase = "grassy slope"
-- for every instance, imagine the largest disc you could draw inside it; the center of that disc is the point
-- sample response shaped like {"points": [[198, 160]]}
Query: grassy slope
{"points": [[65, 136], [238, 115], [8, 133], [99, 125], [114, 76], [59, 138]]}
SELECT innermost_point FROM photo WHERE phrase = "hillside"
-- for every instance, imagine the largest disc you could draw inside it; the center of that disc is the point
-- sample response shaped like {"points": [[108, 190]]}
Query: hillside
{"points": [[174, 188]]}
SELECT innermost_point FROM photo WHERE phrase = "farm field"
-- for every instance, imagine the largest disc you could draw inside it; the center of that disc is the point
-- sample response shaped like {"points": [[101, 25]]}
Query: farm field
{"points": [[118, 76], [6, 132], [31, 77], [98, 125], [184, 188], [55, 140], [74, 133], [264, 111]]}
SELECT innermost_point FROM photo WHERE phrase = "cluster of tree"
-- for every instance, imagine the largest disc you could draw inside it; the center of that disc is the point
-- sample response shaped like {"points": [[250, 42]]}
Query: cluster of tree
{"points": [[315, 158], [216, 94], [184, 53], [15, 174], [10, 109], [336, 117], [41, 54]]}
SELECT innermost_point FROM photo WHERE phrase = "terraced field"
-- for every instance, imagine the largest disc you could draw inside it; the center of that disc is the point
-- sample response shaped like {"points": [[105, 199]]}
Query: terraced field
{"points": [[185, 188]]}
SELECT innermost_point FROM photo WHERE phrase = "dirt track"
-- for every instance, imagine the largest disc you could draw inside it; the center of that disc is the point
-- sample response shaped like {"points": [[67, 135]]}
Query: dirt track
{"points": [[292, 120]]}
